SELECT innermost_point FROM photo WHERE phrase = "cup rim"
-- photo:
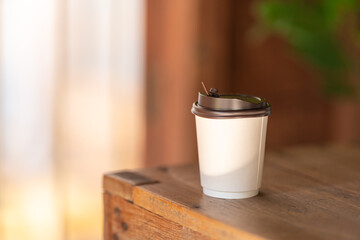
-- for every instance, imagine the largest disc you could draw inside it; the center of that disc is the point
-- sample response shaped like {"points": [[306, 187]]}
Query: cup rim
{"points": [[208, 113]]}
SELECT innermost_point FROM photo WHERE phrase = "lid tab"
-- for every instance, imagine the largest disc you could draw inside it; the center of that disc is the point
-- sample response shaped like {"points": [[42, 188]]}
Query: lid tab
{"points": [[213, 92]]}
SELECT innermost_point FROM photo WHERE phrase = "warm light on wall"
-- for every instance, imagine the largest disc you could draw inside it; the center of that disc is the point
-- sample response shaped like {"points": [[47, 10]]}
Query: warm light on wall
{"points": [[71, 108], [31, 211]]}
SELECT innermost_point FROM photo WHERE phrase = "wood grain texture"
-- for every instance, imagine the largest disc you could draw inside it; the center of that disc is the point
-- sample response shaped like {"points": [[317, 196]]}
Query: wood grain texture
{"points": [[307, 193], [128, 221]]}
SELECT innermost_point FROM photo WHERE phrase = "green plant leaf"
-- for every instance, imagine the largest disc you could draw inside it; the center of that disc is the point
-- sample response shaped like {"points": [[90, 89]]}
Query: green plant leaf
{"points": [[311, 28]]}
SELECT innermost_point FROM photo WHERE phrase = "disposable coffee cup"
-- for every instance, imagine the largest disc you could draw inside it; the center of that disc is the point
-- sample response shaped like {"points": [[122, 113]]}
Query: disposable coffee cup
{"points": [[231, 135]]}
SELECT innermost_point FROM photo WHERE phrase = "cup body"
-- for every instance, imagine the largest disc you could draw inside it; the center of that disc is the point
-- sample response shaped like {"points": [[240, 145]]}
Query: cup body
{"points": [[231, 155]]}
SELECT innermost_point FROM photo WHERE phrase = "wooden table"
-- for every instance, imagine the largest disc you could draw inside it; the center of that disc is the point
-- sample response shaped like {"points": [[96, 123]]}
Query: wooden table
{"points": [[307, 193]]}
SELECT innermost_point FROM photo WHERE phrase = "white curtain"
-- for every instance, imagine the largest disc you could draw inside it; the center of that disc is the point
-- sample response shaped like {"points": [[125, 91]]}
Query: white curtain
{"points": [[71, 109]]}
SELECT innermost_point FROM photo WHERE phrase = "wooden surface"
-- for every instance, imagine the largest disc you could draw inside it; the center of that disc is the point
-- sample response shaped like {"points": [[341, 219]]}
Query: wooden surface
{"points": [[307, 193]]}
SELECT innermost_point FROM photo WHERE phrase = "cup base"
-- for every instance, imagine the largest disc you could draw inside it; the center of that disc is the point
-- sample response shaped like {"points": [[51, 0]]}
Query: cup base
{"points": [[230, 195]]}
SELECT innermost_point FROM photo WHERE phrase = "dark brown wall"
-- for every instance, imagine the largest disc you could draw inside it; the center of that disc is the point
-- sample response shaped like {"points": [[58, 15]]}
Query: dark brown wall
{"points": [[172, 30], [209, 40], [235, 61], [271, 69]]}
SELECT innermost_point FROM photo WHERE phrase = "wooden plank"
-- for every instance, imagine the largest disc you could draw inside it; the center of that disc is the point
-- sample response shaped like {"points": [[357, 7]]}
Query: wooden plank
{"points": [[307, 193], [128, 221], [302, 205], [107, 215], [122, 183], [225, 219], [188, 216]]}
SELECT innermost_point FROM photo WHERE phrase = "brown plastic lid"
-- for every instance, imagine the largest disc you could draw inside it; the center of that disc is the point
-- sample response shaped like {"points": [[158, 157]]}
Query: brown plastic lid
{"points": [[217, 105]]}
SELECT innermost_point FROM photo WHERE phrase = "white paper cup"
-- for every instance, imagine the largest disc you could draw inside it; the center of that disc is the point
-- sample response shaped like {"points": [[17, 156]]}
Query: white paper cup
{"points": [[231, 153]]}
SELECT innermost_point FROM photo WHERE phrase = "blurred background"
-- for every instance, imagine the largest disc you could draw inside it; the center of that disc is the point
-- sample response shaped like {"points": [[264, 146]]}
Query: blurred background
{"points": [[90, 86]]}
